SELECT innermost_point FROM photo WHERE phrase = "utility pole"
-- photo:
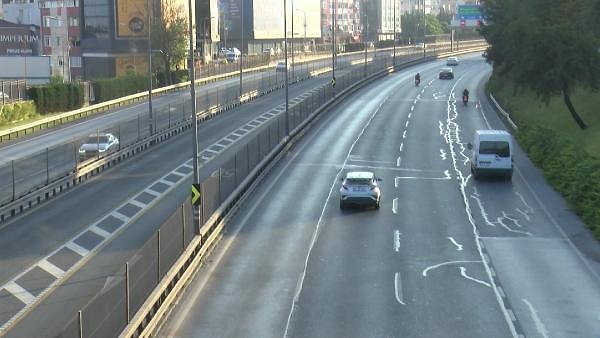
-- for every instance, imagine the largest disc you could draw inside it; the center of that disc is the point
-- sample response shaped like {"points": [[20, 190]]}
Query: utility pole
{"points": [[293, 72], [333, 28], [287, 124], [192, 68], [150, 114], [242, 52]]}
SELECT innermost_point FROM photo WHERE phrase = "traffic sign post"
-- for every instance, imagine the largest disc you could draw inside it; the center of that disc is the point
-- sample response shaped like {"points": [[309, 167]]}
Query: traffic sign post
{"points": [[196, 195]]}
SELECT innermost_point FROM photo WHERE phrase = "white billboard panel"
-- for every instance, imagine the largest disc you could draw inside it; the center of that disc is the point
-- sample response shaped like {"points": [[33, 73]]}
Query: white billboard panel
{"points": [[268, 19]]}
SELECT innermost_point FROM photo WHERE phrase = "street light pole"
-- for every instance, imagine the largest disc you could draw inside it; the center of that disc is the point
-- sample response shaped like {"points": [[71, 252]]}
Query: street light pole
{"points": [[333, 28], [192, 69], [150, 115], [394, 35], [242, 52], [293, 73], [287, 124]]}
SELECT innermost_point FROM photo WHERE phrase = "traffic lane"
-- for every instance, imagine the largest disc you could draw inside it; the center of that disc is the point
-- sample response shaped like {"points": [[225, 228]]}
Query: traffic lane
{"points": [[255, 275], [52, 223], [370, 268], [552, 287]]}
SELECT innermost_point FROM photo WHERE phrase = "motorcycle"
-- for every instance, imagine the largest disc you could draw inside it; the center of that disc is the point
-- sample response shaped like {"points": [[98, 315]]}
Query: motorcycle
{"points": [[417, 82], [465, 99]]}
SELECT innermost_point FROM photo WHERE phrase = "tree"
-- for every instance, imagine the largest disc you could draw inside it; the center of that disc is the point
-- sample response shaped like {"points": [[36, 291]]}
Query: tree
{"points": [[170, 35], [412, 26], [547, 46]]}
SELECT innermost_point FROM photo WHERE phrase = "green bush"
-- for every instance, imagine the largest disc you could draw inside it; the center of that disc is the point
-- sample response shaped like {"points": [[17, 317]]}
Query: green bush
{"points": [[18, 111], [354, 47], [570, 169], [385, 43], [108, 89], [57, 97]]}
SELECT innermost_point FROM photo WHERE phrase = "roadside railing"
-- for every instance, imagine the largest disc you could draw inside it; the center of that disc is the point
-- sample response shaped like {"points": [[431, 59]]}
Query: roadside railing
{"points": [[12, 91], [144, 290]]}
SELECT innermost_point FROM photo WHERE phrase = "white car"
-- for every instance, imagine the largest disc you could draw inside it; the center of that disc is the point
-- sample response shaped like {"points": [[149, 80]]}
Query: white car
{"points": [[452, 61], [98, 145], [360, 188], [280, 67], [420, 46]]}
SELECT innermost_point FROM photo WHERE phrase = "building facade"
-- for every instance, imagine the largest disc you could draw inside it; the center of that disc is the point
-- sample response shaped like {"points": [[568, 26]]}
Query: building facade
{"points": [[61, 37], [25, 12], [349, 20]]}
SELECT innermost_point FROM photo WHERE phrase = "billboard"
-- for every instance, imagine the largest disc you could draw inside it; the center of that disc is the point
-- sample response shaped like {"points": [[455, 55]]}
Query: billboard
{"points": [[131, 64], [268, 19], [132, 17]]}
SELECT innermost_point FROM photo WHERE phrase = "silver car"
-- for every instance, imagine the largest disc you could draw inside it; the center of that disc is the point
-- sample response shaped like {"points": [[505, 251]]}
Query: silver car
{"points": [[452, 61], [98, 145], [360, 188]]}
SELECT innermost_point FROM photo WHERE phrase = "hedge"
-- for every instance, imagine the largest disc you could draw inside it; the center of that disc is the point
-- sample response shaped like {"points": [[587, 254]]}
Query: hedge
{"points": [[108, 89], [18, 111], [570, 169], [57, 97]]}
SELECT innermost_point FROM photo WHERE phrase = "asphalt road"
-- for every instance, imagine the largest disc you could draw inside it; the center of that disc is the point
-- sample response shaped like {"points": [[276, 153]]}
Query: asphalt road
{"points": [[445, 256], [55, 225]]}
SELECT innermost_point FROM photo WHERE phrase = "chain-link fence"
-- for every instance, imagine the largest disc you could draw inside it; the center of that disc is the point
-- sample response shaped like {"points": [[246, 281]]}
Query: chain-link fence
{"points": [[12, 91]]}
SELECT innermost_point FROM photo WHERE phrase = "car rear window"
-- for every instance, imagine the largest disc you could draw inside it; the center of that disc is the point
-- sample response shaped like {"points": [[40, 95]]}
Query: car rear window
{"points": [[101, 139], [359, 180], [500, 148]]}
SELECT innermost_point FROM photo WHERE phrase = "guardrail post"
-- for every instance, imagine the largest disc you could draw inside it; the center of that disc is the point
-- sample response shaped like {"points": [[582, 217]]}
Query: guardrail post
{"points": [[139, 127], [12, 165], [127, 304], [169, 107], [157, 256], [80, 321], [182, 227], [47, 167]]}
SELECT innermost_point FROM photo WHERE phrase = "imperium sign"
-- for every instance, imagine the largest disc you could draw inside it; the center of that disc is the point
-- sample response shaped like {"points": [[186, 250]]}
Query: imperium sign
{"points": [[18, 38], [19, 41]]}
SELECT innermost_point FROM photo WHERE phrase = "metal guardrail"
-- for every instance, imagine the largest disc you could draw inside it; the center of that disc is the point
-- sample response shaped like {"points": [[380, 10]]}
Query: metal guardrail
{"points": [[503, 112], [148, 319], [55, 120]]}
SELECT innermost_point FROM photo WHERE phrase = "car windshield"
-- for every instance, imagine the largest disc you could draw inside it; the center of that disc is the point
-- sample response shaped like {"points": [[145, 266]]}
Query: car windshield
{"points": [[500, 148], [96, 139]]}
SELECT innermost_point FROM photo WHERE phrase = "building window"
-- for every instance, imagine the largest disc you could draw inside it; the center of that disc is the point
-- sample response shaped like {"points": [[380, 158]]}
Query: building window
{"points": [[75, 61], [47, 40], [73, 21]]}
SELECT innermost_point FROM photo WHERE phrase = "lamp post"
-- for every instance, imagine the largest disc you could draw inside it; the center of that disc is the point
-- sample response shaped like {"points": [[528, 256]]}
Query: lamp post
{"points": [[192, 69], [293, 74], [394, 35], [287, 124], [204, 37], [150, 114], [242, 51], [304, 12], [333, 28]]}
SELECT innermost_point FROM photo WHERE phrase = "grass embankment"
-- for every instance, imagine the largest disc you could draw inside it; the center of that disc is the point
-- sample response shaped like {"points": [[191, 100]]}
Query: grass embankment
{"points": [[18, 113], [569, 156]]}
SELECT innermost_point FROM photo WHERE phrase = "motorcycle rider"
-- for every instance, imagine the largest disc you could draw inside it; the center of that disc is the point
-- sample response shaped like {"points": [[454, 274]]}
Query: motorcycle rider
{"points": [[465, 94], [417, 79]]}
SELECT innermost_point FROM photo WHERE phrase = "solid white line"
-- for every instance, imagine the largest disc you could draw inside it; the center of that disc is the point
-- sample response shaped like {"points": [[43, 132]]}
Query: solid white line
{"points": [[395, 205], [539, 325], [398, 161], [120, 216], [424, 178], [19, 292], [404, 134], [401, 146], [524, 214], [51, 268], [501, 292], [459, 247], [137, 203], [98, 231], [431, 267], [406, 124], [398, 288], [81, 251], [409, 115], [397, 240], [463, 272], [412, 108], [367, 161]]}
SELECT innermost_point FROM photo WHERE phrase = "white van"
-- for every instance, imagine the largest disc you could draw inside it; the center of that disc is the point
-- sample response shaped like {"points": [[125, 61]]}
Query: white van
{"points": [[492, 153]]}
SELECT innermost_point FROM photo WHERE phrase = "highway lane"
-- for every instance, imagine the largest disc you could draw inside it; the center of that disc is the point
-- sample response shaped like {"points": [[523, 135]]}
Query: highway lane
{"points": [[44, 158], [59, 220], [444, 256]]}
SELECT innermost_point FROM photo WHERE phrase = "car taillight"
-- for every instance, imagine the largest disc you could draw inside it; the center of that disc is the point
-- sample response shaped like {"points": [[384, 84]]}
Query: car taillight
{"points": [[345, 187]]}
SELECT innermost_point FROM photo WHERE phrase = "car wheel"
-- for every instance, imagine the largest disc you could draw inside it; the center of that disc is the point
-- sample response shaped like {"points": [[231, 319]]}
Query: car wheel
{"points": [[377, 205]]}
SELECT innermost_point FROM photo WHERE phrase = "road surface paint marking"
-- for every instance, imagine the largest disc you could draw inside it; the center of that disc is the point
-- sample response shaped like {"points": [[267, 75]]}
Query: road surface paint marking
{"points": [[316, 232], [500, 220], [459, 247], [152, 192], [539, 325], [369, 161], [175, 172], [493, 272], [137, 203], [19, 292], [228, 140], [431, 267], [398, 288], [512, 315], [475, 195], [101, 232], [51, 268], [412, 108], [524, 214], [409, 115], [445, 178], [527, 206], [501, 292], [397, 240], [463, 272], [406, 124], [162, 180], [395, 205], [443, 154], [423, 90], [401, 146], [77, 248], [120, 216], [189, 165], [399, 161], [441, 126], [238, 133], [404, 134], [212, 151]]}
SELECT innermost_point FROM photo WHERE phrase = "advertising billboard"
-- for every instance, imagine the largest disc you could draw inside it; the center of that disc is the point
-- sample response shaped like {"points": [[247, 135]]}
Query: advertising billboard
{"points": [[268, 19], [131, 64], [132, 17]]}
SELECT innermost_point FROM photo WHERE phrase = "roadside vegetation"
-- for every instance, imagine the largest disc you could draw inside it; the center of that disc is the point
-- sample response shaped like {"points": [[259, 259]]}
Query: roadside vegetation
{"points": [[546, 60], [12, 114]]}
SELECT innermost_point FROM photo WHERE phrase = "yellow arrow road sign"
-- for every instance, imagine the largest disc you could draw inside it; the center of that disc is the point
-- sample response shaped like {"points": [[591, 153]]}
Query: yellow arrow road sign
{"points": [[195, 194]]}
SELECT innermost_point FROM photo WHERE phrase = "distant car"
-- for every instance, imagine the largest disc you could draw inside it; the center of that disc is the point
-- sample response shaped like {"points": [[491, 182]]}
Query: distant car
{"points": [[420, 46], [222, 52], [268, 52], [232, 56], [452, 61], [446, 73], [280, 67], [98, 145], [360, 188], [4, 96]]}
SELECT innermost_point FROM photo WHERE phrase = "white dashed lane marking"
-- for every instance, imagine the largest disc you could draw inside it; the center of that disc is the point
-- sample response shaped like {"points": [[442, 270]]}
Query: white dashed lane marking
{"points": [[51, 268]]}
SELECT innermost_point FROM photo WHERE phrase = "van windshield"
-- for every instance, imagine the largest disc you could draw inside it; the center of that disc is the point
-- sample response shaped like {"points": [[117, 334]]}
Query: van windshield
{"points": [[500, 148]]}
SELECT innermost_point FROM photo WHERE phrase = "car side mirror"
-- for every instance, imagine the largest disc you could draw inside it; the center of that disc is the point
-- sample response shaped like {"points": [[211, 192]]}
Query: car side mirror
{"points": [[469, 146], [379, 179]]}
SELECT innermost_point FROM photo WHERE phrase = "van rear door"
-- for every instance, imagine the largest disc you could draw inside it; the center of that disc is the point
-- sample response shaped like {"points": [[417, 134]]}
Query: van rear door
{"points": [[494, 154]]}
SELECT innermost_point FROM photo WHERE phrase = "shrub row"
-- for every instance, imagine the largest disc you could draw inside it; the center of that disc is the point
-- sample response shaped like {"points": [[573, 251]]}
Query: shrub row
{"points": [[569, 168], [57, 97], [18, 111], [108, 89]]}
